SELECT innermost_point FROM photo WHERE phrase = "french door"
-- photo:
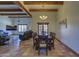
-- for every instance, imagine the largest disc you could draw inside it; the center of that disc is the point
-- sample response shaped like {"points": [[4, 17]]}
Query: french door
{"points": [[43, 28], [22, 27]]}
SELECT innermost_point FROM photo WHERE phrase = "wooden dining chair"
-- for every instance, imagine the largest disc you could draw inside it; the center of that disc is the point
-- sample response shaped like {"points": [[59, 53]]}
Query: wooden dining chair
{"points": [[53, 35], [42, 44], [49, 42], [34, 39]]}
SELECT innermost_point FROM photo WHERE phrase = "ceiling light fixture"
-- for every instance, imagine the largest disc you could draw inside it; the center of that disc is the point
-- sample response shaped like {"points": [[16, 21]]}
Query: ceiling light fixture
{"points": [[43, 17]]}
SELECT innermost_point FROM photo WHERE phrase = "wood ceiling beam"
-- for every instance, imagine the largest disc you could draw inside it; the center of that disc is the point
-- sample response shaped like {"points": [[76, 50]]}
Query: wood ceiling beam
{"points": [[6, 14], [43, 10], [6, 2], [43, 2], [10, 10], [23, 7], [9, 16]]}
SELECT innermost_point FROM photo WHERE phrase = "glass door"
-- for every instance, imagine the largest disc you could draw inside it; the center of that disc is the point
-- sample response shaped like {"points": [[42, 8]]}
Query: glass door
{"points": [[40, 29], [43, 28]]}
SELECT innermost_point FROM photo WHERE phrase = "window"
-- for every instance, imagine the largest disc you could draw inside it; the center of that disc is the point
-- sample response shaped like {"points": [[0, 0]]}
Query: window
{"points": [[40, 29], [43, 28], [22, 27]]}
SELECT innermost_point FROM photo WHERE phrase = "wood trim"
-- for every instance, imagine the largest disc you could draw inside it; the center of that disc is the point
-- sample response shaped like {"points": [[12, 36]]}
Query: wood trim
{"points": [[43, 23], [18, 16], [43, 2], [6, 14], [68, 47], [10, 10], [6, 2], [43, 10], [23, 7]]}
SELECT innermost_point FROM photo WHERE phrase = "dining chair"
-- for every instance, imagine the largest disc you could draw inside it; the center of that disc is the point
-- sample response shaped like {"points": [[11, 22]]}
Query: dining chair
{"points": [[34, 39], [53, 35], [42, 44], [49, 42]]}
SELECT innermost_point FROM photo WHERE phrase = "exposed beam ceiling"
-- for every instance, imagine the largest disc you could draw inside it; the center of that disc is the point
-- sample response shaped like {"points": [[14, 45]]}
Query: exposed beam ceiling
{"points": [[12, 14], [23, 7], [19, 6], [10, 10], [9, 7], [6, 2], [47, 6], [43, 2], [43, 10]]}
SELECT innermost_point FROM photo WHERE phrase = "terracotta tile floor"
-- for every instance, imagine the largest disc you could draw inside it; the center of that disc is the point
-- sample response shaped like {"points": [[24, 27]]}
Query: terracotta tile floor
{"points": [[25, 48]]}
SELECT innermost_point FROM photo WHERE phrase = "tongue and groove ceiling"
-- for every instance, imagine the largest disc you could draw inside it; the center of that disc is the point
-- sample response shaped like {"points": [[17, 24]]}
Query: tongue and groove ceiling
{"points": [[23, 8]]}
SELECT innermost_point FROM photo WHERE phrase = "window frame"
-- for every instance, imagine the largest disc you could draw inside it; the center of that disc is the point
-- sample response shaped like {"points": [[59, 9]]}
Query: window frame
{"points": [[40, 23], [22, 24]]}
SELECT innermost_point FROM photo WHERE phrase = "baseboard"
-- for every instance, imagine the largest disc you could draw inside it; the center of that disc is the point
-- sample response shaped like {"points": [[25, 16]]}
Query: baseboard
{"points": [[68, 47]]}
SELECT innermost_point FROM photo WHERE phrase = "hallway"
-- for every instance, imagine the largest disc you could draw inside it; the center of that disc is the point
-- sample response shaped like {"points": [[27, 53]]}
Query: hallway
{"points": [[25, 49]]}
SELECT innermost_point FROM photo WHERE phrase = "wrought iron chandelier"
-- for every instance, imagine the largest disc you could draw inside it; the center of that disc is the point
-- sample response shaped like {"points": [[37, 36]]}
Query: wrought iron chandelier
{"points": [[43, 17]]}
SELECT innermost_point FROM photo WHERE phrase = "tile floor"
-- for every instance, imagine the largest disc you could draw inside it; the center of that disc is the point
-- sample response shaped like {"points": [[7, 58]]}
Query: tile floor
{"points": [[25, 49]]}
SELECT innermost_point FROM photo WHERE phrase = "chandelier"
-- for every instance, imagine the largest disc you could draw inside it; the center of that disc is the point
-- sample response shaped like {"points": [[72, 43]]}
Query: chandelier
{"points": [[43, 17]]}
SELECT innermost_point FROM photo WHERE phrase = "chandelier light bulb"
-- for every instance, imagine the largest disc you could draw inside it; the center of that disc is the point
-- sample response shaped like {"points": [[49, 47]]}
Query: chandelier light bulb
{"points": [[43, 17]]}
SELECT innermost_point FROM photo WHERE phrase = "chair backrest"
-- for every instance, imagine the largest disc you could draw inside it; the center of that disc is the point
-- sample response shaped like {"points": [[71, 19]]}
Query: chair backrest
{"points": [[49, 39], [34, 34], [34, 37], [52, 34], [42, 40]]}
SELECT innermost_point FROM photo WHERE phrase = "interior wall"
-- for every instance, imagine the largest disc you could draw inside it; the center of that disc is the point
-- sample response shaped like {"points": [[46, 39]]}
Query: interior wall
{"points": [[4, 20], [70, 35], [52, 18], [16, 21]]}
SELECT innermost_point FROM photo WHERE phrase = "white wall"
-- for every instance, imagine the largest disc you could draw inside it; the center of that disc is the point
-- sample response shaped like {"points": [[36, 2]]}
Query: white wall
{"points": [[16, 21], [32, 22], [52, 18], [4, 20], [70, 35]]}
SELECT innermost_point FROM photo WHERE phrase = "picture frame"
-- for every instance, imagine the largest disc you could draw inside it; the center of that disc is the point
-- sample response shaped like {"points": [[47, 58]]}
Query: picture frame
{"points": [[64, 22]]}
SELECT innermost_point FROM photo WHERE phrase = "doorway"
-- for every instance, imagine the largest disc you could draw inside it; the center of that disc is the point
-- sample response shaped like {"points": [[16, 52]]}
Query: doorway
{"points": [[43, 28]]}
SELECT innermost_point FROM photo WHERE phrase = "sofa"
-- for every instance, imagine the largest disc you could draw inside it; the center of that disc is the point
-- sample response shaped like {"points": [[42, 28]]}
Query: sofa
{"points": [[3, 37], [27, 35]]}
